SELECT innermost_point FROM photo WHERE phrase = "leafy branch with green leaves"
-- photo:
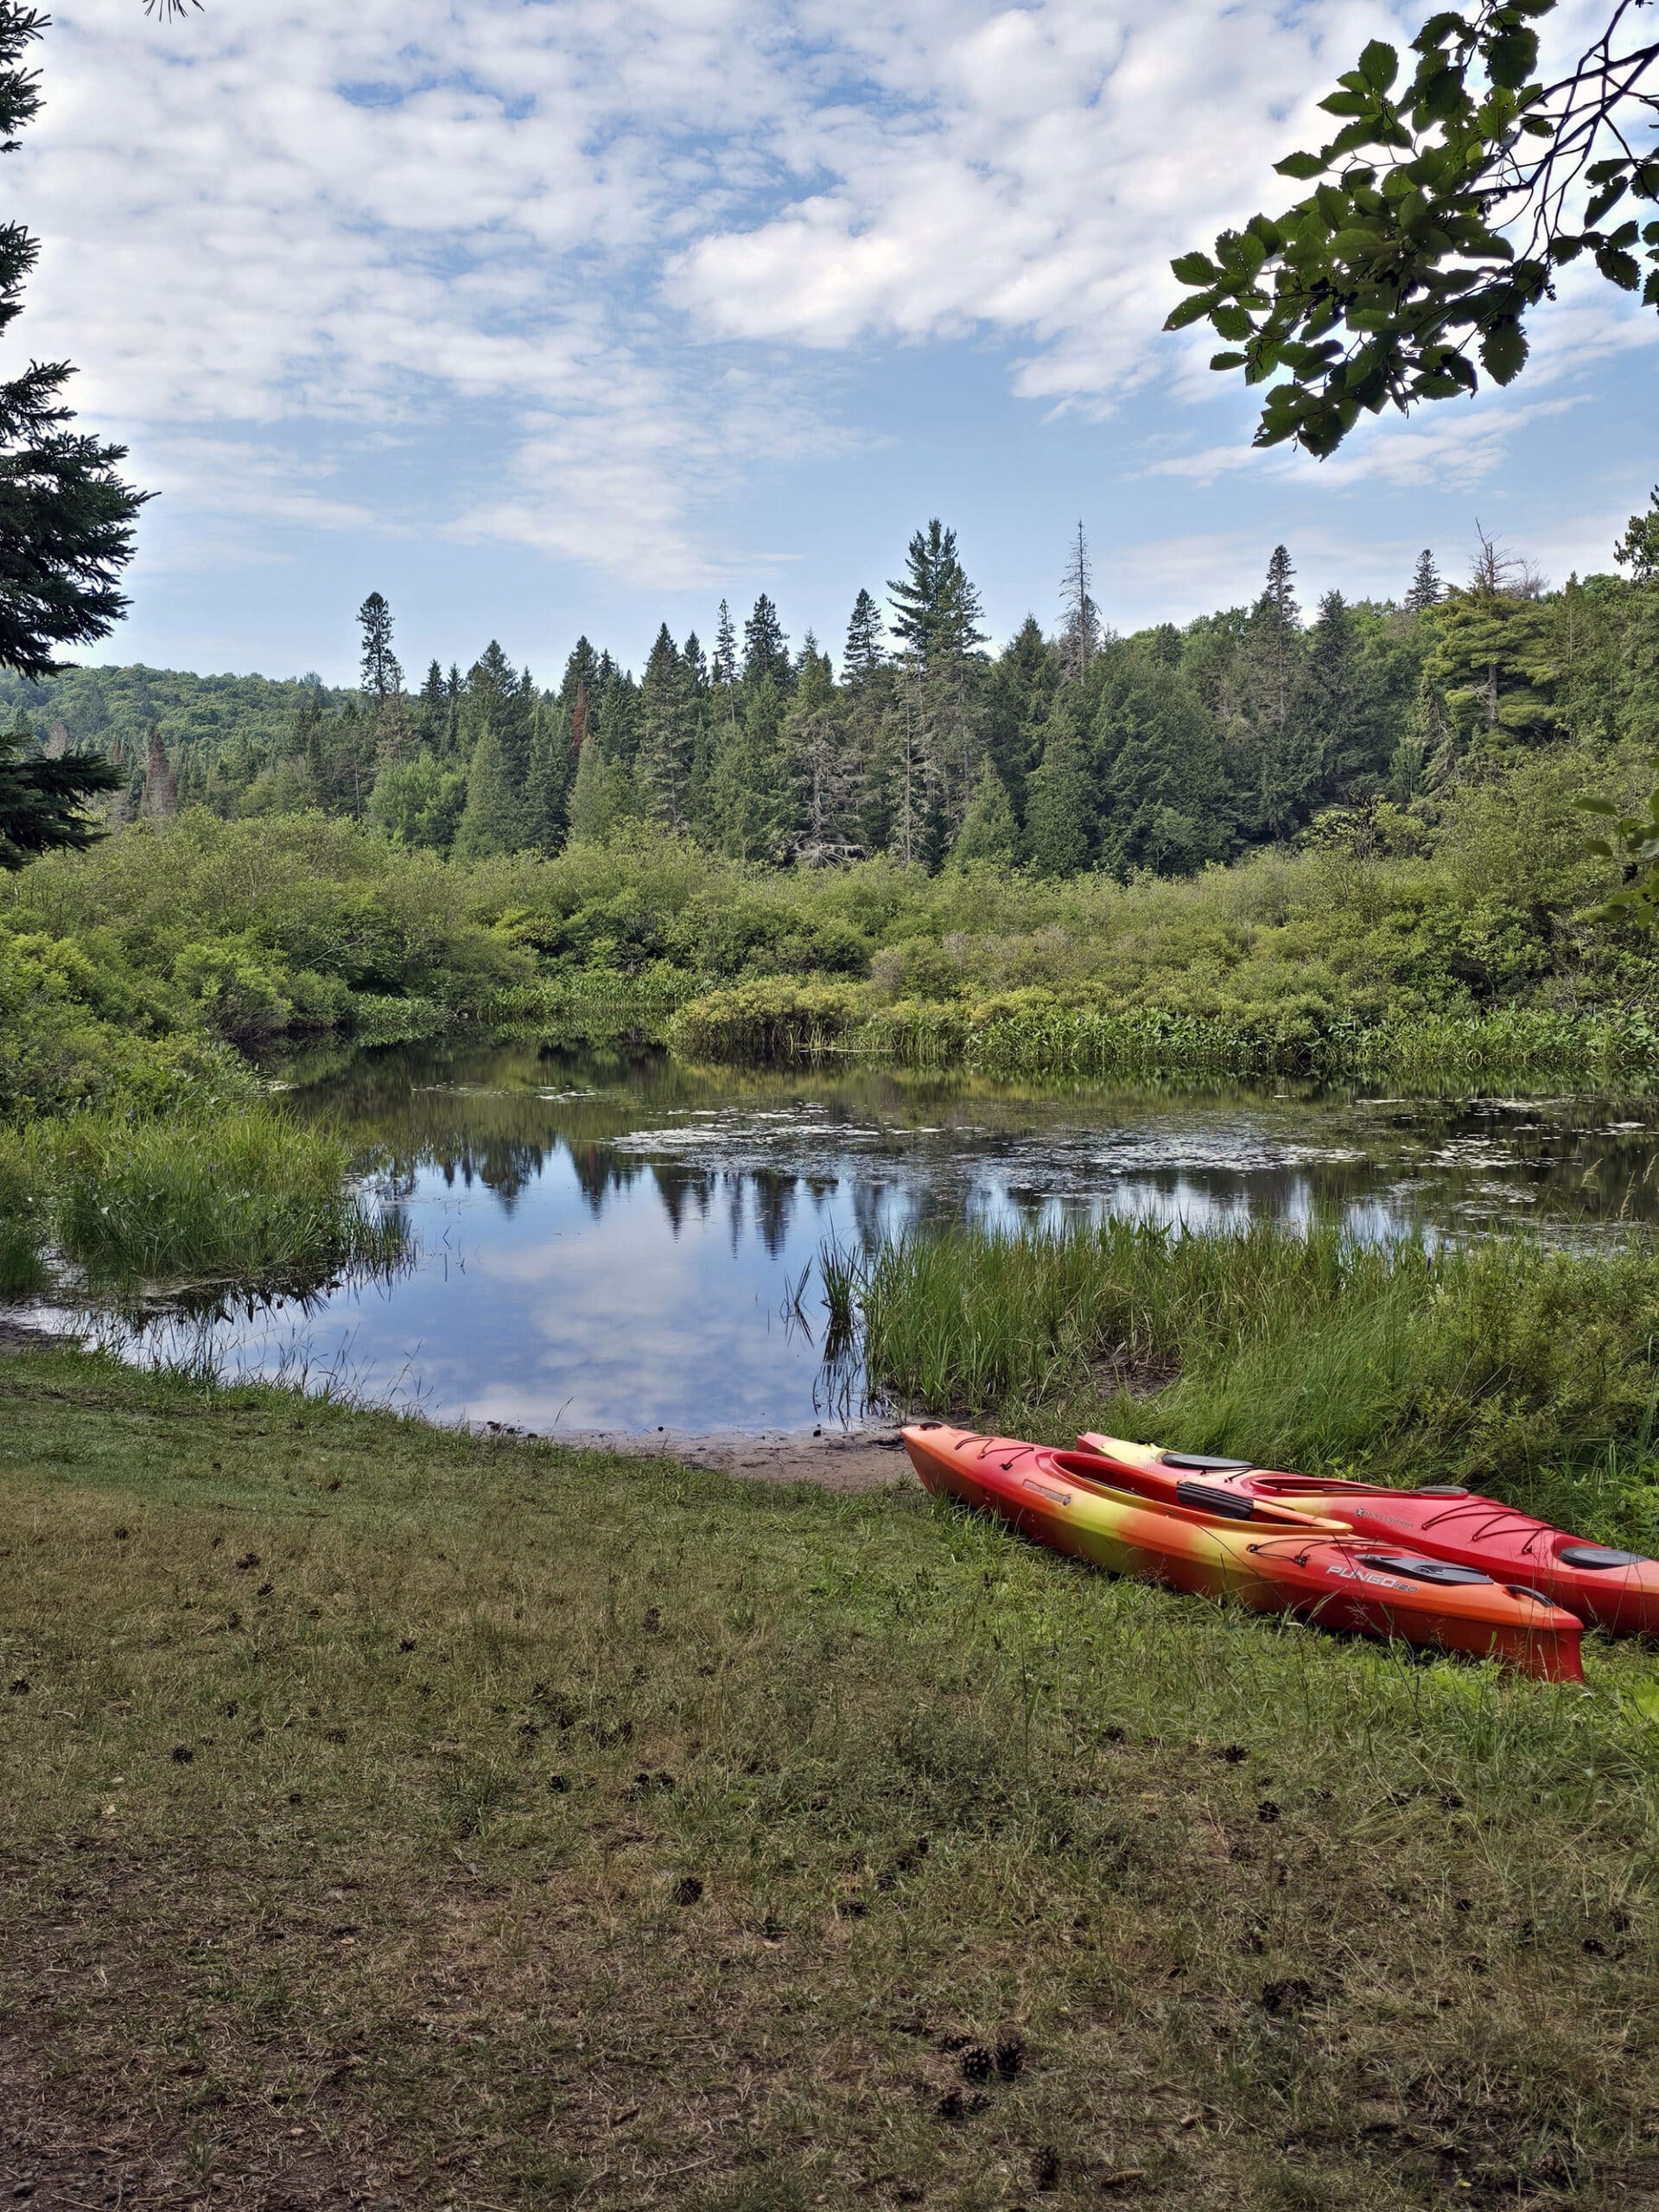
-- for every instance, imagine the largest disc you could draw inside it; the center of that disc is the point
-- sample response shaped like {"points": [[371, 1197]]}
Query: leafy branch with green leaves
{"points": [[1441, 214]]}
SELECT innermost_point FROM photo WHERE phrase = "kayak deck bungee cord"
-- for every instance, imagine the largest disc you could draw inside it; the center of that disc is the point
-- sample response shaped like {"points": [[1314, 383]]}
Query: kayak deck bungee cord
{"points": [[1607, 1588], [1191, 1534]]}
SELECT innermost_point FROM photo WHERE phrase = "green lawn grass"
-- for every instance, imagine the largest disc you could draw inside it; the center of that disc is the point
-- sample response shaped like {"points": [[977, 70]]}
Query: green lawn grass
{"points": [[396, 1818]]}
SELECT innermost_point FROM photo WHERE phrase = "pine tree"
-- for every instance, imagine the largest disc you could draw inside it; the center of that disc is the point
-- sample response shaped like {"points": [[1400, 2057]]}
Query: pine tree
{"points": [[990, 833], [552, 771], [1341, 708], [1080, 625], [1493, 659], [936, 618], [1014, 710], [766, 648], [1639, 549], [43, 800], [937, 610], [497, 719], [66, 516], [494, 817], [724, 668], [599, 795], [613, 719], [1167, 780], [822, 767], [1427, 589], [1276, 637], [455, 691], [1274, 763], [381, 677], [863, 653], [434, 714], [1059, 805], [581, 674], [668, 735], [752, 803]]}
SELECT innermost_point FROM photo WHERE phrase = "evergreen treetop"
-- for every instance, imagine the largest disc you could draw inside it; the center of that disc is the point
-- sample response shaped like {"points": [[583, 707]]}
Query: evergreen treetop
{"points": [[66, 516], [863, 653], [382, 674], [937, 611], [1427, 588]]}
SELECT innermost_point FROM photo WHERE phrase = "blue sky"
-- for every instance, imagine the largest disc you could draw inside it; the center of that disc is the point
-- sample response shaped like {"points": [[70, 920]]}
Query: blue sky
{"points": [[550, 315]]}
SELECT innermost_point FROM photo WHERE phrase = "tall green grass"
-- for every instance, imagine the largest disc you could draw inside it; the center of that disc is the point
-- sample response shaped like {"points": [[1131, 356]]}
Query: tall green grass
{"points": [[254, 1195], [1526, 1370], [1030, 1032]]}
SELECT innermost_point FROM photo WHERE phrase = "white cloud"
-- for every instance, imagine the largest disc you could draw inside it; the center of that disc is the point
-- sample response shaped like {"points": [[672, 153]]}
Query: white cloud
{"points": [[627, 240]]}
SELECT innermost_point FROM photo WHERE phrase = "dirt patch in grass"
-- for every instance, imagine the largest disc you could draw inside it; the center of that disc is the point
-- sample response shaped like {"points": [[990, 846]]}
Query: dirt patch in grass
{"points": [[831, 1458]]}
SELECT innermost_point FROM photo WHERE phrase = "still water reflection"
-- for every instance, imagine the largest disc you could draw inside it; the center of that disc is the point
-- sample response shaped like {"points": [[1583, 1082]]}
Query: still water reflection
{"points": [[607, 1243]]}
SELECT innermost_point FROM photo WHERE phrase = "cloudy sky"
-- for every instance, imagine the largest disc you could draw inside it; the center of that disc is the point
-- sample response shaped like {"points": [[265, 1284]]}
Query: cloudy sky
{"points": [[547, 316]]}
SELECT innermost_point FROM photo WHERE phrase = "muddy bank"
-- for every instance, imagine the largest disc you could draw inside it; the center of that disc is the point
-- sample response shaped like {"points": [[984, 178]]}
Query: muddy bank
{"points": [[840, 1459]]}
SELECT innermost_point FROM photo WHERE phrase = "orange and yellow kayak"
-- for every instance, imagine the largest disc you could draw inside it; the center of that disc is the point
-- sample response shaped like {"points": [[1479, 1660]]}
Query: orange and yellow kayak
{"points": [[1609, 1589], [1195, 1537]]}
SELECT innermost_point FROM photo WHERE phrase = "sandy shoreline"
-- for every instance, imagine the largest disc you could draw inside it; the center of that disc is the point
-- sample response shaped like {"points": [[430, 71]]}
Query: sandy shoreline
{"points": [[834, 1458]]}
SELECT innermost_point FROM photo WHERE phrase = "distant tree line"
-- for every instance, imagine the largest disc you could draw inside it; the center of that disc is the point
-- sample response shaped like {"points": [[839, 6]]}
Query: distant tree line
{"points": [[1070, 749]]}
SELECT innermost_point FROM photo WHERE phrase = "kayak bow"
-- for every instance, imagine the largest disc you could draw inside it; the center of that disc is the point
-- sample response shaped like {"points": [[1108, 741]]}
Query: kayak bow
{"points": [[1609, 1589]]}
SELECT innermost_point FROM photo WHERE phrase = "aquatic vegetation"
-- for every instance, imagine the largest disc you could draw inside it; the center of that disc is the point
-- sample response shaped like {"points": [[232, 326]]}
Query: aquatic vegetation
{"points": [[1522, 1369], [1031, 1032], [252, 1195]]}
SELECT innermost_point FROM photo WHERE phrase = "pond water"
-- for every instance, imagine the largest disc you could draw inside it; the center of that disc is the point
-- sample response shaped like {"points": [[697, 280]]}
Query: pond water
{"points": [[614, 1243]]}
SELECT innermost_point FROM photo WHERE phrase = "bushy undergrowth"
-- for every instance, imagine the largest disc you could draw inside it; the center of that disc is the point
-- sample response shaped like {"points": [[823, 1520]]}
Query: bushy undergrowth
{"points": [[251, 1194], [1505, 1363], [1353, 953]]}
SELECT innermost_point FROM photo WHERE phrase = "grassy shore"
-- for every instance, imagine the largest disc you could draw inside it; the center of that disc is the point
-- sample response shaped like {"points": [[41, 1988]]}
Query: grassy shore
{"points": [[400, 1818]]}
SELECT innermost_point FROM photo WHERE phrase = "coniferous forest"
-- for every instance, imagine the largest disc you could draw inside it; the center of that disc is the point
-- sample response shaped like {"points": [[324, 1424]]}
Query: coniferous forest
{"points": [[1073, 747]]}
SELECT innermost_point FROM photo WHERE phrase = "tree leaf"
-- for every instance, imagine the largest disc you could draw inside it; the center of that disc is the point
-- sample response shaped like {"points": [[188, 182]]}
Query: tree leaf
{"points": [[1512, 57], [1619, 268], [1189, 311], [1379, 65], [1196, 268], [1299, 165], [1504, 349], [1228, 361]]}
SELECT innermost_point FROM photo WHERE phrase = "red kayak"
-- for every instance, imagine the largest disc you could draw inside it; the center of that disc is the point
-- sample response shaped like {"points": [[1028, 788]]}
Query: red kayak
{"points": [[1194, 1536], [1614, 1590]]}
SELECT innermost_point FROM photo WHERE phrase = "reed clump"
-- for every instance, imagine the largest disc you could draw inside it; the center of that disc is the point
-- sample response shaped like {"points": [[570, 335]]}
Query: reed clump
{"points": [[254, 1195], [1034, 1033], [1527, 1370]]}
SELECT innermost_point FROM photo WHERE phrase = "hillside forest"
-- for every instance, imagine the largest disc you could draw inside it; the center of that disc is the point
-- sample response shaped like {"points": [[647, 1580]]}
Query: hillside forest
{"points": [[1071, 748]]}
